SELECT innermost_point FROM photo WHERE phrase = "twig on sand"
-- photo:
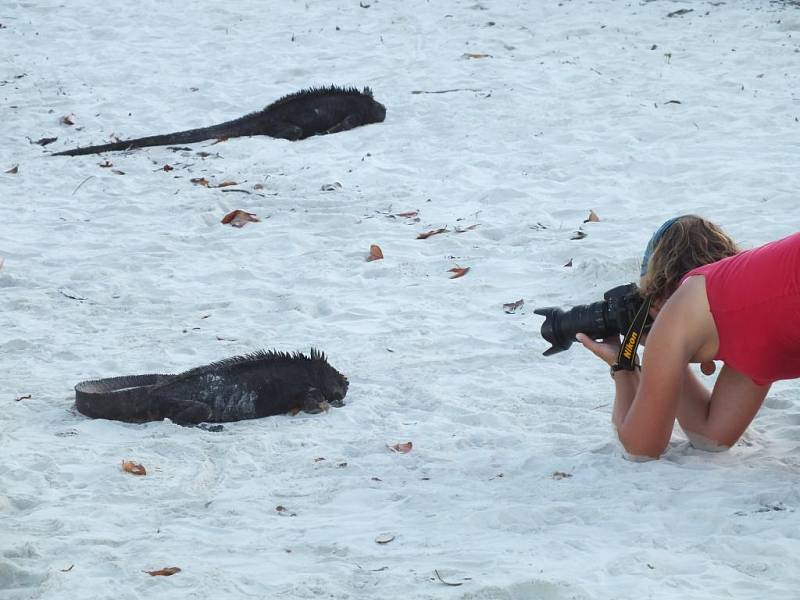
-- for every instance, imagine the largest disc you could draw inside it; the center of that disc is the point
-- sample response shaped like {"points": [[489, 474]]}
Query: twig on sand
{"points": [[439, 577], [81, 183], [446, 91], [71, 296]]}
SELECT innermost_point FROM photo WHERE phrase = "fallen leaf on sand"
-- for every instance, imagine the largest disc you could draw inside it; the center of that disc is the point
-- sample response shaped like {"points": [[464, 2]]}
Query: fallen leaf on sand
{"points": [[403, 448], [239, 218], [164, 572], [513, 306], [200, 181], [475, 55], [68, 120], [133, 468], [458, 272], [226, 184], [408, 215], [375, 253], [427, 234], [592, 218]]}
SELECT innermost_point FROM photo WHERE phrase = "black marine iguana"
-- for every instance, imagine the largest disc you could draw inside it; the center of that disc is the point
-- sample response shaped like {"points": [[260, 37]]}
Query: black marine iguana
{"points": [[314, 111], [242, 387]]}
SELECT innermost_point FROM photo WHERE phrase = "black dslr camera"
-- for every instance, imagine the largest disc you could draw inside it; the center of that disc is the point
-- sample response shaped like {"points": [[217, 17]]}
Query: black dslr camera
{"points": [[612, 315]]}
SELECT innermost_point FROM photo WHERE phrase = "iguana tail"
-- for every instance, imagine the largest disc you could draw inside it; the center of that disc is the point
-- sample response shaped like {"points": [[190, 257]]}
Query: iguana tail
{"points": [[121, 398], [235, 128]]}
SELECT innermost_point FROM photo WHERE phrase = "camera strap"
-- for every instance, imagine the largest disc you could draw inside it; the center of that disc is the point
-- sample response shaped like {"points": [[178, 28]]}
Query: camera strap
{"points": [[626, 359]]}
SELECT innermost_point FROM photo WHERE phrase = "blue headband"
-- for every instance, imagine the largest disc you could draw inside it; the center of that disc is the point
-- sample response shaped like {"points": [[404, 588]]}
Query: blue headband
{"points": [[654, 242]]}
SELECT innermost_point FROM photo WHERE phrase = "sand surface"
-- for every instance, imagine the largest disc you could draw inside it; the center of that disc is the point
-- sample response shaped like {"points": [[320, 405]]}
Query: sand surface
{"points": [[517, 117]]}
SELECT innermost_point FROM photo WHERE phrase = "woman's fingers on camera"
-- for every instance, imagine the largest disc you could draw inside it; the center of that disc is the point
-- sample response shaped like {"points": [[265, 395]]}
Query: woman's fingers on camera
{"points": [[606, 350]]}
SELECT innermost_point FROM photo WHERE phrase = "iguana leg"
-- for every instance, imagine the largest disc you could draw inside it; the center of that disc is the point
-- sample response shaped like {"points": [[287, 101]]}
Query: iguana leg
{"points": [[213, 428], [188, 412], [348, 122], [289, 132], [314, 402]]}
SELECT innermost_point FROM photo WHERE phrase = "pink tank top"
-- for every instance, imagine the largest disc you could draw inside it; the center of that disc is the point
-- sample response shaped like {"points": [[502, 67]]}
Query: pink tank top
{"points": [[755, 301]]}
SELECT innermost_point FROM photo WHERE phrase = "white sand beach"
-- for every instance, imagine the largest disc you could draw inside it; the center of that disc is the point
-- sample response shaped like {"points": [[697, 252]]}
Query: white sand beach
{"points": [[517, 117]]}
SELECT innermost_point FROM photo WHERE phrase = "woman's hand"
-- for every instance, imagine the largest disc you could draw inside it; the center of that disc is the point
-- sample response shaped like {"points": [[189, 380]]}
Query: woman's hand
{"points": [[607, 350]]}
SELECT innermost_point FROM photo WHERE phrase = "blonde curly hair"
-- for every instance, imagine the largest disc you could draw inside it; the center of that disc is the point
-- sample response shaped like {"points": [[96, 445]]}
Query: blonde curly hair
{"points": [[689, 242]]}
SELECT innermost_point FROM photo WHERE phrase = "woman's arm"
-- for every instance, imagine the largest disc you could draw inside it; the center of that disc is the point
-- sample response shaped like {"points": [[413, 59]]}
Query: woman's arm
{"points": [[646, 405], [715, 421]]}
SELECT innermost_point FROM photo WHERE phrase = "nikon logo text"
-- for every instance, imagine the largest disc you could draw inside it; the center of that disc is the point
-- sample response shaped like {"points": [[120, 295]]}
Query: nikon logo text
{"points": [[628, 351]]}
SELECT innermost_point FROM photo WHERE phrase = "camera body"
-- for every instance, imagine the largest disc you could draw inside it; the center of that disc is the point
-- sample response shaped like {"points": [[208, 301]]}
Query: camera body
{"points": [[613, 315]]}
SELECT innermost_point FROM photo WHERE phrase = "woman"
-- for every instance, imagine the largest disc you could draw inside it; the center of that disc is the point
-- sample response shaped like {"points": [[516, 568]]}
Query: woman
{"points": [[710, 302]]}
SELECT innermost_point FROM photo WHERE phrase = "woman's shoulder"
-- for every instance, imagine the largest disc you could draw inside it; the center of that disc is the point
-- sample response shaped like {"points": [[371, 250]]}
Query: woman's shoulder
{"points": [[687, 314]]}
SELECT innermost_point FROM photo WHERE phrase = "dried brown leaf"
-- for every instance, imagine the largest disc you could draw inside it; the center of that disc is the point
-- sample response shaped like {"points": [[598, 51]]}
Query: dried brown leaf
{"points": [[200, 181], [225, 184], [133, 468], [402, 448], [168, 168], [458, 272], [408, 215], [475, 55], [375, 253], [592, 218], [511, 307], [166, 572], [239, 218], [68, 119], [427, 234]]}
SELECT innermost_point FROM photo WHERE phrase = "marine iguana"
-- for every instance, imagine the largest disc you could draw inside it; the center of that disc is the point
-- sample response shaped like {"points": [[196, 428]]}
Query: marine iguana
{"points": [[315, 111], [242, 387]]}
